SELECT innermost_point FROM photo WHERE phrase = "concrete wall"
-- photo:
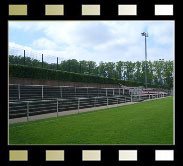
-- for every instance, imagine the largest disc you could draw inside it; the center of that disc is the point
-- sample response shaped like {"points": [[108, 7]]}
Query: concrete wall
{"points": [[30, 81]]}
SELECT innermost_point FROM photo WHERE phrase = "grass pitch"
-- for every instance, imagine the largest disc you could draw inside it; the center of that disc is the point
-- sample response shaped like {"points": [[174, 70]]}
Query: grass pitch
{"points": [[149, 122]]}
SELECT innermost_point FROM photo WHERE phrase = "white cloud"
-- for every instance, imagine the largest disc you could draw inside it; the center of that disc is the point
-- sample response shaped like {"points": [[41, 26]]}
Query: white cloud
{"points": [[101, 40], [44, 43]]}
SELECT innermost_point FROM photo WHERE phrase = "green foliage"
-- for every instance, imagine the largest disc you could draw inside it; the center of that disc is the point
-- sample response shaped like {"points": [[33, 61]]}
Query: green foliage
{"points": [[22, 71], [159, 73]]}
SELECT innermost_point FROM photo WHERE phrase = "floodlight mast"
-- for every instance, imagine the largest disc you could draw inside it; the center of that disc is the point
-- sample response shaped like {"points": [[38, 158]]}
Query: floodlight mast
{"points": [[161, 60], [145, 35]]}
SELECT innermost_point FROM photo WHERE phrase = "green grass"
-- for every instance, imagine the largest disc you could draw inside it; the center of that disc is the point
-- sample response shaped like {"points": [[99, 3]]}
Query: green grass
{"points": [[149, 122]]}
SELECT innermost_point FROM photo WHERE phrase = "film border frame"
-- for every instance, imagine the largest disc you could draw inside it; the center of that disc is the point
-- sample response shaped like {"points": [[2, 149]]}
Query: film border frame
{"points": [[106, 150]]}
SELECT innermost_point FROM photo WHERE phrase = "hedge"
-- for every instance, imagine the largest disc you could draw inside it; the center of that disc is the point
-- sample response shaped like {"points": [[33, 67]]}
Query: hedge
{"points": [[22, 71]]}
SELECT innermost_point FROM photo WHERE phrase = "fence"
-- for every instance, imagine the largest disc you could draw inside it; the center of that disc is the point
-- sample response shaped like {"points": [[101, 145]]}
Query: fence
{"points": [[42, 59]]}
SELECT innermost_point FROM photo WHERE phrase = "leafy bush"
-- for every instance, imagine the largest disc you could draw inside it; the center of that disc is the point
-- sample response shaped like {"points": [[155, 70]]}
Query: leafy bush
{"points": [[22, 71]]}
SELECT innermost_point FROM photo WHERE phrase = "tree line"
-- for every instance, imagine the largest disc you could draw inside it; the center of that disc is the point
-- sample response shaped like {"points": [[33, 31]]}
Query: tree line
{"points": [[158, 72]]}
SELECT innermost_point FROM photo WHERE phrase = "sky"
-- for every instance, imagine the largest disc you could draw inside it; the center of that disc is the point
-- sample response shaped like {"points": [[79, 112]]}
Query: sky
{"points": [[107, 41]]}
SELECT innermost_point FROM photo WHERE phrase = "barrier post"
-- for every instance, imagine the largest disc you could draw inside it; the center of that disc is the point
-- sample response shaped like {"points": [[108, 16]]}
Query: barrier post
{"points": [[106, 92], [87, 92], [42, 92], [149, 96], [123, 91], [125, 99], [95, 102], [60, 91], [19, 92], [75, 91], [131, 98], [57, 107], [78, 104], [27, 111], [107, 101]]}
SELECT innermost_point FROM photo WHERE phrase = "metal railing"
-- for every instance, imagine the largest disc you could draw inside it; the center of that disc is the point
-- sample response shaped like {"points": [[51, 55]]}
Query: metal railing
{"points": [[33, 108], [40, 92]]}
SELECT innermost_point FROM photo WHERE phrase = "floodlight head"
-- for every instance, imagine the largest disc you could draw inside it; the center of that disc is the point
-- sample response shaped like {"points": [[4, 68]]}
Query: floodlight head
{"points": [[143, 34]]}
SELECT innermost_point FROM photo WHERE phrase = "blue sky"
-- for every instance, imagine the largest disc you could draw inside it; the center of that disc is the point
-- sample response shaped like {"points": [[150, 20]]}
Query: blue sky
{"points": [[107, 41]]}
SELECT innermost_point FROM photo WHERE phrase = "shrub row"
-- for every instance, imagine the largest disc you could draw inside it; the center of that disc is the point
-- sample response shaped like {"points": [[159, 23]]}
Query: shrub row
{"points": [[21, 71]]}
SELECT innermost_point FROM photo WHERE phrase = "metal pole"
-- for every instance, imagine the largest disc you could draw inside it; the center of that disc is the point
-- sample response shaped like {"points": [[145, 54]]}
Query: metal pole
{"points": [[89, 68], [75, 91], [131, 98], [107, 101], [106, 91], [27, 111], [78, 104], [19, 92], [57, 107], [60, 91], [145, 62], [57, 63], [24, 57], [42, 60], [87, 92], [80, 67], [42, 92], [145, 35]]}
